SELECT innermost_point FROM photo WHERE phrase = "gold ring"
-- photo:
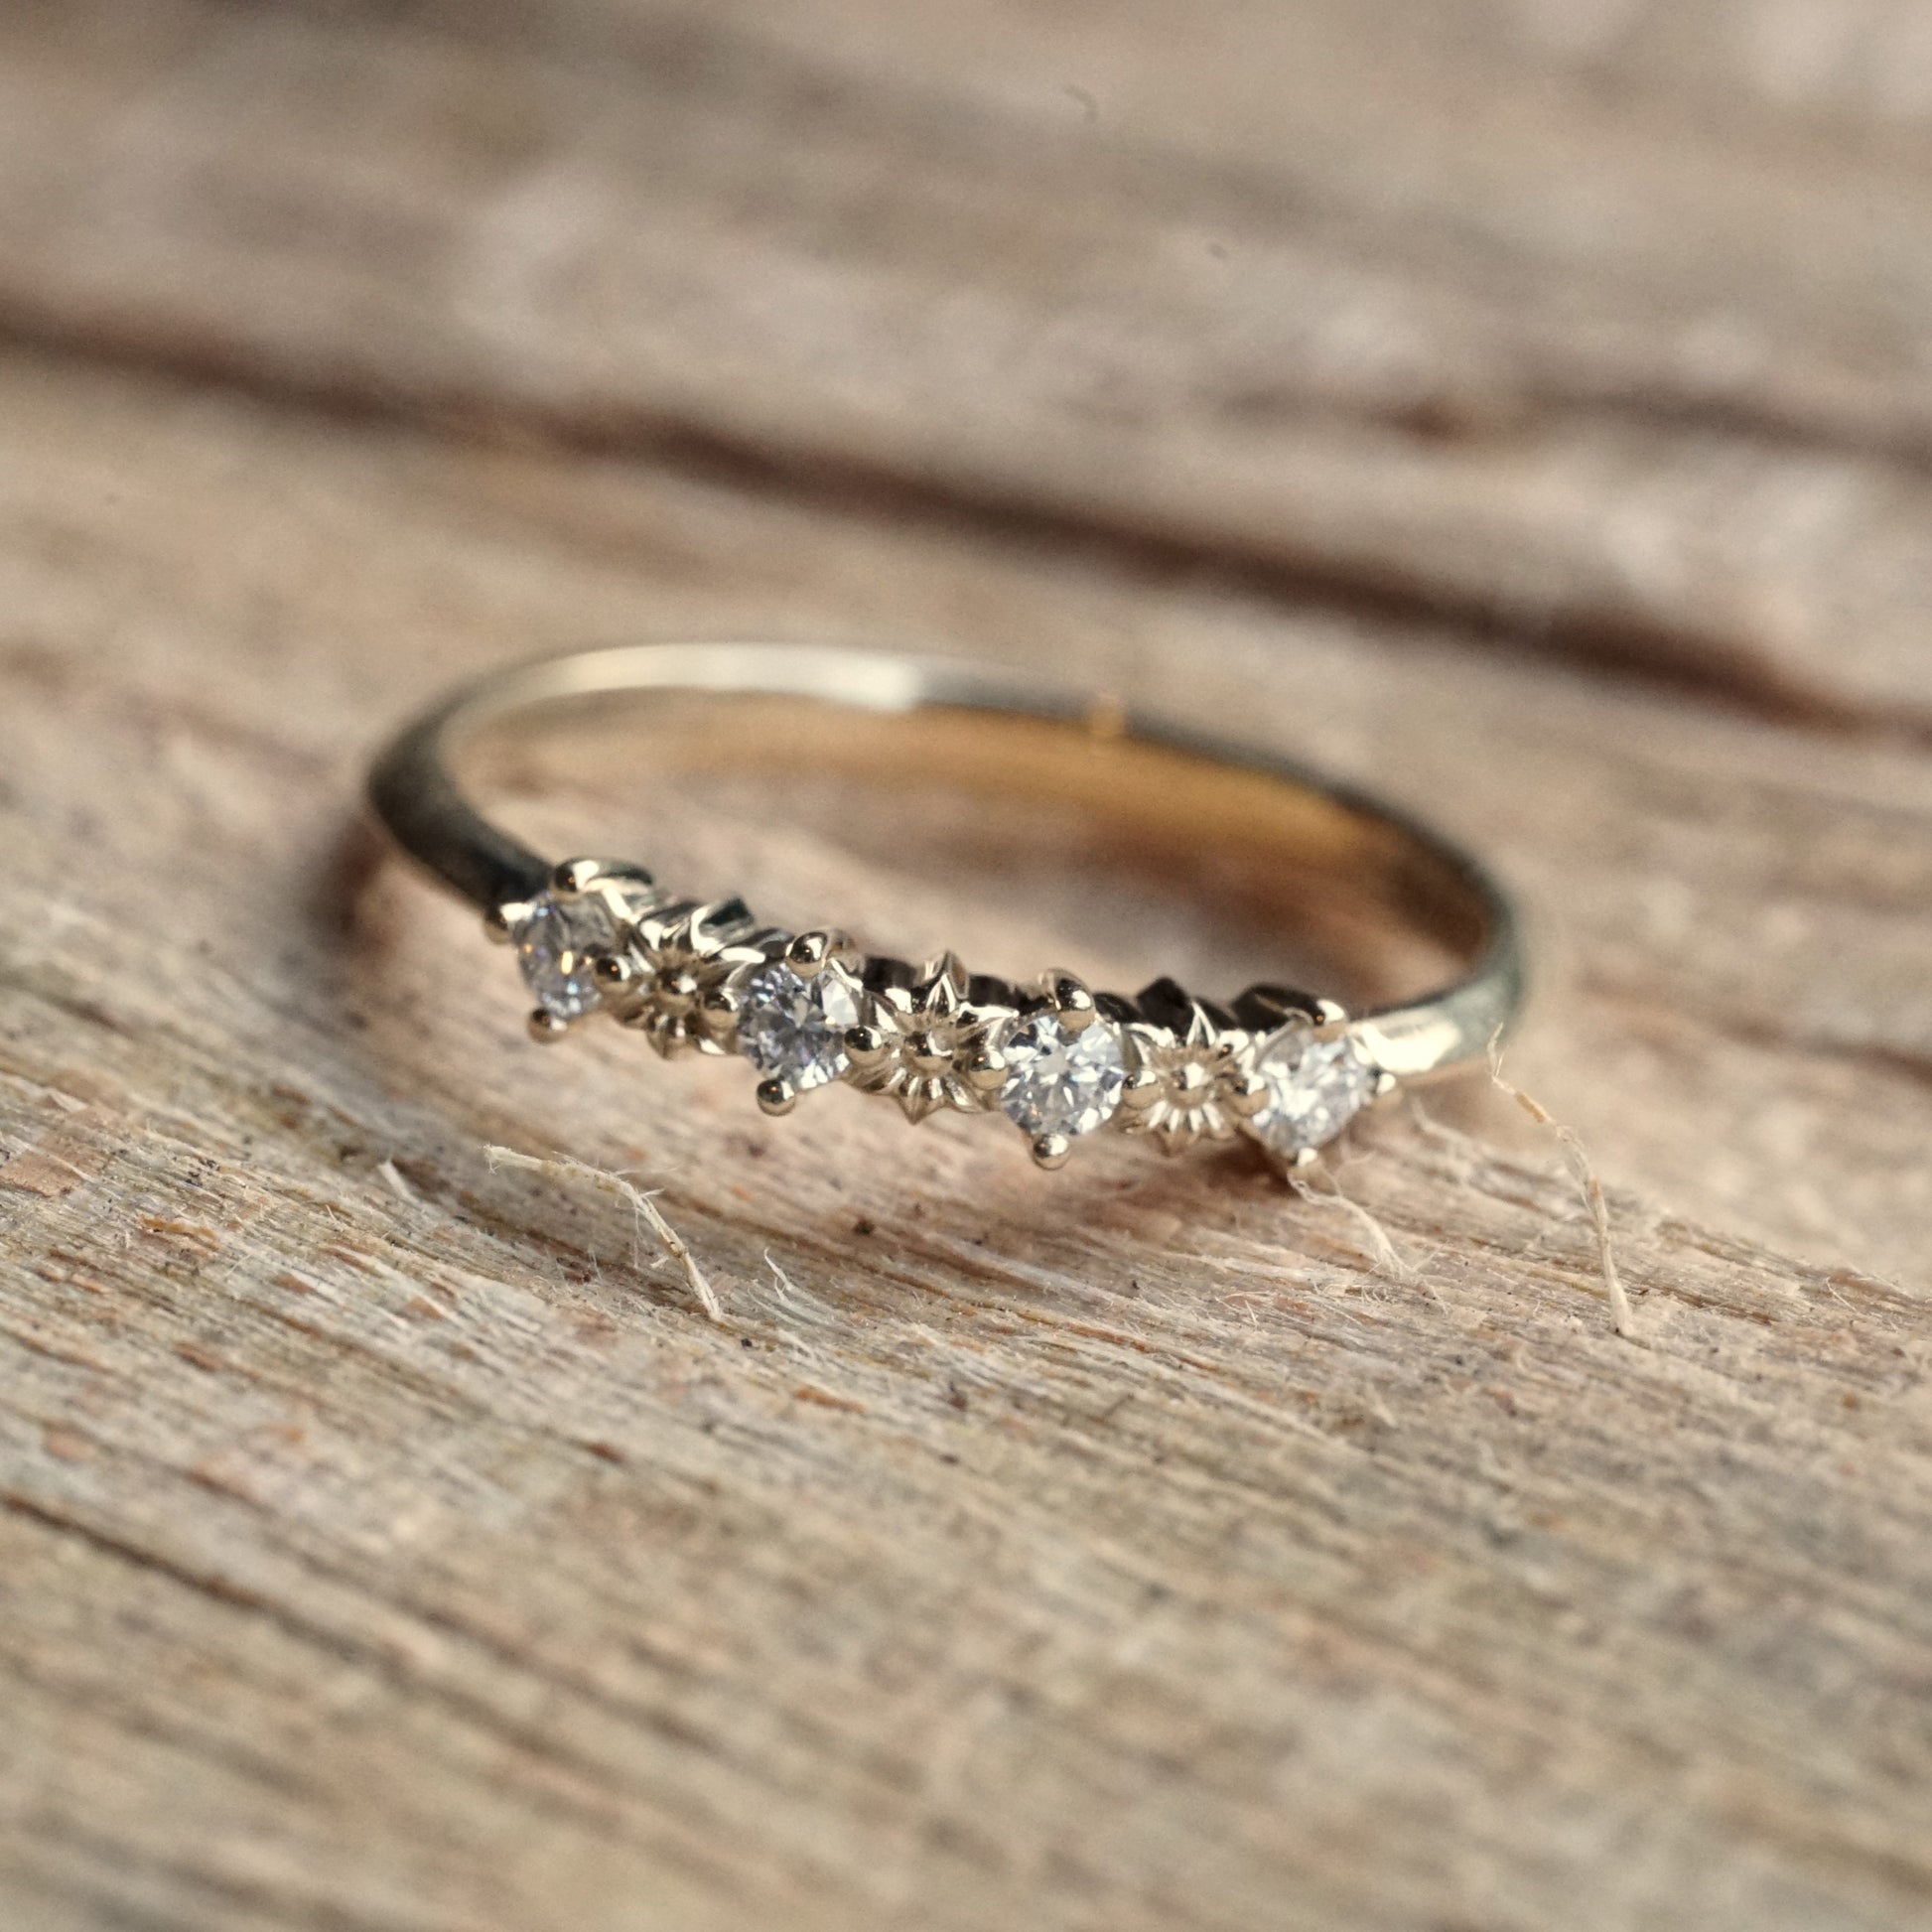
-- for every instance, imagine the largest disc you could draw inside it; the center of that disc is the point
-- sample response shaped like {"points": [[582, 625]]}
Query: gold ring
{"points": [[1058, 1058]]}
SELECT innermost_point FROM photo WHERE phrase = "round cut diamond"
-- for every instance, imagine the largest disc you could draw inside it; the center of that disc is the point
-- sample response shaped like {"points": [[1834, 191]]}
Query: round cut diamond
{"points": [[794, 1028], [557, 945], [1316, 1088], [1061, 1082]]}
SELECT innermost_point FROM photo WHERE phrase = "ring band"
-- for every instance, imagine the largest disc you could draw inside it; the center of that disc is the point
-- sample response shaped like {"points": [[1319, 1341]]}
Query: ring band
{"points": [[1287, 1068]]}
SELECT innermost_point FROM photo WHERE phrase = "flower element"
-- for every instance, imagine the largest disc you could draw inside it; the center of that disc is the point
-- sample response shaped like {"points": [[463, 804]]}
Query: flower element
{"points": [[669, 981], [927, 1045], [1193, 1083]]}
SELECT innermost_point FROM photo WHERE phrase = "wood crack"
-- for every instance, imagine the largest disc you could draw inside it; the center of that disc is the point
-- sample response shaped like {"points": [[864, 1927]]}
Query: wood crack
{"points": [[588, 1802], [1717, 670]]}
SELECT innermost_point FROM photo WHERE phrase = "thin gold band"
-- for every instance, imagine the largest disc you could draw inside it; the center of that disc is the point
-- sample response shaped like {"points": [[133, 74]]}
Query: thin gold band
{"points": [[1187, 1068]]}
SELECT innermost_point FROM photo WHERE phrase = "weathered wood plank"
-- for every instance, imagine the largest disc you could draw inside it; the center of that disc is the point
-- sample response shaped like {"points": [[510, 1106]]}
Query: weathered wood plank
{"points": [[1734, 913], [1829, 68], [381, 1548], [1128, 1550], [1628, 380]]}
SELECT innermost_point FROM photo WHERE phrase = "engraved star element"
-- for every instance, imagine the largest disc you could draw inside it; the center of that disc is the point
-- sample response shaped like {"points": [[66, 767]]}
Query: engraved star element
{"points": [[670, 982], [927, 1045], [1194, 1083]]}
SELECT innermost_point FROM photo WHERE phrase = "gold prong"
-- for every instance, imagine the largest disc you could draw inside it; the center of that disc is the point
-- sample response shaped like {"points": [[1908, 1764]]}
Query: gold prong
{"points": [[1331, 1020], [866, 1046], [1302, 1157], [810, 953], [1052, 1151], [672, 1038], [575, 877], [778, 1096], [612, 971], [985, 1071], [1247, 1095], [1141, 1089], [1072, 1001], [546, 1027], [499, 924], [1386, 1087]]}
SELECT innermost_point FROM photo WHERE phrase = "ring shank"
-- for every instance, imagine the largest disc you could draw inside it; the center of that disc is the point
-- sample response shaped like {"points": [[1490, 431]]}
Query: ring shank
{"points": [[1212, 786]]}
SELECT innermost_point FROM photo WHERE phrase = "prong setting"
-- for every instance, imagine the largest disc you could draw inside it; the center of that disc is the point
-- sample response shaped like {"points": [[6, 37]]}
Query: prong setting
{"points": [[866, 1046], [561, 937], [1247, 1093], [810, 953], [1063, 1081], [985, 1070], [792, 1024], [1053, 1151], [1071, 1001], [776, 1098], [808, 1009], [1318, 1077]]}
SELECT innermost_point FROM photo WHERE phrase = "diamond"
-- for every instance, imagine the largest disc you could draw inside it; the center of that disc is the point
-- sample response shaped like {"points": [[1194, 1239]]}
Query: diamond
{"points": [[1061, 1082], [557, 944], [794, 1028], [1316, 1088]]}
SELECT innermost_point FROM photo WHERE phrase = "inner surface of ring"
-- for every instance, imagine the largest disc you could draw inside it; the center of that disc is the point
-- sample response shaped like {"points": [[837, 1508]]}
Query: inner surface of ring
{"points": [[1169, 859]]}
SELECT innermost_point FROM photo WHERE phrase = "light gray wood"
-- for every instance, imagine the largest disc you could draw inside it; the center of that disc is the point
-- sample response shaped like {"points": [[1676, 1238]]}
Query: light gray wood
{"points": [[1636, 379], [1520, 408], [1121, 1548]]}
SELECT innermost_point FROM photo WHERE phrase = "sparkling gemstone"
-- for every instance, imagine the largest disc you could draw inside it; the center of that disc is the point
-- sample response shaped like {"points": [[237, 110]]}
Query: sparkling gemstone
{"points": [[556, 946], [1060, 1083], [794, 1028], [1316, 1088]]}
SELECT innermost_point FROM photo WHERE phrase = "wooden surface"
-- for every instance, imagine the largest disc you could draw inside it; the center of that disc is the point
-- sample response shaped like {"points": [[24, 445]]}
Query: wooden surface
{"points": [[1523, 407]]}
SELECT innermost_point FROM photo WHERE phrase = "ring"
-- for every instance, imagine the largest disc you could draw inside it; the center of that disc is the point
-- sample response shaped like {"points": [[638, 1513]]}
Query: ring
{"points": [[1061, 1061]]}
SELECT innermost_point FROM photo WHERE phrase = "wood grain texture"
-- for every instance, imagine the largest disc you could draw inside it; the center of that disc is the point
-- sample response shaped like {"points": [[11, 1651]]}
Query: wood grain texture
{"points": [[386, 1542], [1634, 381]]}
